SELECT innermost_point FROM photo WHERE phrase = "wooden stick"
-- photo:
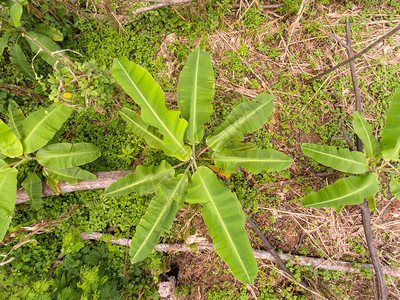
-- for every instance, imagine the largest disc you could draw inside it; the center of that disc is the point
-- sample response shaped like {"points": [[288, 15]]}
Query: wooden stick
{"points": [[104, 180], [365, 211], [318, 263], [271, 250]]}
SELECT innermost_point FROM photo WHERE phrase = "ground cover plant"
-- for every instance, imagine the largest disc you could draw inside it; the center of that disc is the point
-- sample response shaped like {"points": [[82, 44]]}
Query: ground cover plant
{"points": [[254, 47]]}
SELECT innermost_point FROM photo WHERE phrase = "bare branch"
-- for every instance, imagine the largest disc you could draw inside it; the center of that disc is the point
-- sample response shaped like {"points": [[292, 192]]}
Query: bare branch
{"points": [[318, 263], [104, 180], [372, 45]]}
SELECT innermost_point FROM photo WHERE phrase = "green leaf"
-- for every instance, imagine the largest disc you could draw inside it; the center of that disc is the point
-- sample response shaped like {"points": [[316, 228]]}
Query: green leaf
{"points": [[8, 194], [16, 119], [195, 92], [18, 58], [390, 142], [4, 40], [71, 175], [253, 160], [364, 132], [339, 159], [371, 203], [50, 32], [158, 218], [3, 163], [49, 50], [9, 144], [65, 155], [395, 188], [244, 118], [39, 127], [144, 181], [15, 14], [224, 218], [33, 187], [347, 191], [139, 85], [140, 128]]}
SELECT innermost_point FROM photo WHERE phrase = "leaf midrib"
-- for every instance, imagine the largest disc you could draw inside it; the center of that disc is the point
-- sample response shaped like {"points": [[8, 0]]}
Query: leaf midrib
{"points": [[246, 159], [71, 154], [194, 97]]}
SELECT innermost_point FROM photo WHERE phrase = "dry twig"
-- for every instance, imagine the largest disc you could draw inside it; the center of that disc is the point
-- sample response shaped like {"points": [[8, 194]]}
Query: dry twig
{"points": [[320, 263]]}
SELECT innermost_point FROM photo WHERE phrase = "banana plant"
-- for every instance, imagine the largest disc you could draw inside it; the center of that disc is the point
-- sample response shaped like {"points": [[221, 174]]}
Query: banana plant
{"points": [[366, 166], [28, 139], [180, 137], [41, 39]]}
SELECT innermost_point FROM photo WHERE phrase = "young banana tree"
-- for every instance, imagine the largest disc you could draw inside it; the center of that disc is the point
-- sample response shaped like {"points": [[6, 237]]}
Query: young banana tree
{"points": [[366, 166], [27, 139], [164, 129], [41, 40]]}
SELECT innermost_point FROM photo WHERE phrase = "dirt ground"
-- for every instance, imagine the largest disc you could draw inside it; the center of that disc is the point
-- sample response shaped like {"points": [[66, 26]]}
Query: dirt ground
{"points": [[290, 227]]}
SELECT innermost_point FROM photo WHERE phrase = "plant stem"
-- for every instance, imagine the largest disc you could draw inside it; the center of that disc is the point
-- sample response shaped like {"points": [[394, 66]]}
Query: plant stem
{"points": [[366, 221], [365, 211], [202, 151]]}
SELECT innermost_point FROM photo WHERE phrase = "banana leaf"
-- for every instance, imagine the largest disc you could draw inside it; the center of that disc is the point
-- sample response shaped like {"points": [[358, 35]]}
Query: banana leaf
{"points": [[245, 118], [253, 160], [8, 194], [40, 126], [224, 218], [18, 58], [195, 93], [158, 218], [339, 159], [48, 50], [395, 188], [347, 191], [140, 128], [15, 14], [33, 188], [144, 181], [9, 144], [390, 142], [16, 119], [66, 155], [71, 175], [364, 132], [139, 85]]}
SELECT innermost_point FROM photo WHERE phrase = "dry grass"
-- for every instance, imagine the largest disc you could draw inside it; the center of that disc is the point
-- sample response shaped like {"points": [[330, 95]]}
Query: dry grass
{"points": [[321, 231]]}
